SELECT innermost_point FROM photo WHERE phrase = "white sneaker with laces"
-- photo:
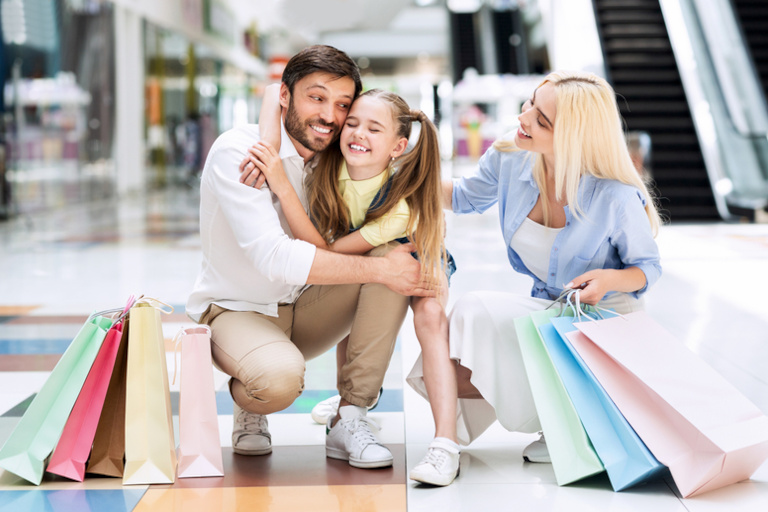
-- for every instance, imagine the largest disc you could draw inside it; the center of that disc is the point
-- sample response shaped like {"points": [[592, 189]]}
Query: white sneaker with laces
{"points": [[250, 433], [440, 466], [537, 452], [327, 409], [351, 439]]}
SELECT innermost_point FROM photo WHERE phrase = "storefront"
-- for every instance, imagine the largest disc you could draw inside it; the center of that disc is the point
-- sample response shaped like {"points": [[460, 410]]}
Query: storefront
{"points": [[104, 98]]}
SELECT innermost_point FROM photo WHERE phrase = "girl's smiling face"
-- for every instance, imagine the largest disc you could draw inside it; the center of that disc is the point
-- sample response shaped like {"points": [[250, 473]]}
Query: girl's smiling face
{"points": [[537, 122], [369, 139]]}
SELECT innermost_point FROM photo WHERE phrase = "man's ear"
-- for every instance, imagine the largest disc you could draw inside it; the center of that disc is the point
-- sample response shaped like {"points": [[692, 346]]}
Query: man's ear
{"points": [[285, 95]]}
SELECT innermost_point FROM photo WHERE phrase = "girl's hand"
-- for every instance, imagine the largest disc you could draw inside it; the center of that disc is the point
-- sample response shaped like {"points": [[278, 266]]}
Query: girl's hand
{"points": [[250, 174], [593, 285], [268, 162]]}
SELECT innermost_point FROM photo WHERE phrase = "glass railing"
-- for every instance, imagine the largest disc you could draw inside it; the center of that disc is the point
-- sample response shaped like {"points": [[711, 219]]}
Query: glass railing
{"points": [[727, 104]]}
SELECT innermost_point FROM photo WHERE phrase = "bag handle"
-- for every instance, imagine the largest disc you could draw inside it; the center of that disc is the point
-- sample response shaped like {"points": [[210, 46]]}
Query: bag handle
{"points": [[123, 311], [176, 342], [159, 305]]}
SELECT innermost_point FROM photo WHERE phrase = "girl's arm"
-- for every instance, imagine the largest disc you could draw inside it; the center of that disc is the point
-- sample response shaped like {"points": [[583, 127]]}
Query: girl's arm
{"points": [[596, 283], [269, 131], [271, 167]]}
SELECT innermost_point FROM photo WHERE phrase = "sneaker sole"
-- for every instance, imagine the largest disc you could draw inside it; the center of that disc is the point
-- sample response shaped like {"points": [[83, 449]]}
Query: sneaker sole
{"points": [[263, 451], [438, 482], [334, 453]]}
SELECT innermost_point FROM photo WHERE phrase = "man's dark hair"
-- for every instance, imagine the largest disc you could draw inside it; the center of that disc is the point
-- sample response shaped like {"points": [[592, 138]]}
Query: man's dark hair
{"points": [[321, 58]]}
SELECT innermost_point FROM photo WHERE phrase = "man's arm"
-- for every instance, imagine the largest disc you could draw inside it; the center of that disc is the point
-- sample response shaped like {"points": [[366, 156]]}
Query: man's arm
{"points": [[398, 270]]}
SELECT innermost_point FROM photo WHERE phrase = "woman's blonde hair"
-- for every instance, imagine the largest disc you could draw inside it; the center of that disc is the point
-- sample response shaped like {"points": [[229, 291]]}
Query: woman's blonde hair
{"points": [[417, 180], [588, 138]]}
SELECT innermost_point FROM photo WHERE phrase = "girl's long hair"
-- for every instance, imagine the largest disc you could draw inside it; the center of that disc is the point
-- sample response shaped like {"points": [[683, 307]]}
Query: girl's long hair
{"points": [[588, 139], [416, 179]]}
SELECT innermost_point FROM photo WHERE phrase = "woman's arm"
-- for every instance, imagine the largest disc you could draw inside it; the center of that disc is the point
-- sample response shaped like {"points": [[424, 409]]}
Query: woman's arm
{"points": [[271, 167], [269, 131], [448, 194]]}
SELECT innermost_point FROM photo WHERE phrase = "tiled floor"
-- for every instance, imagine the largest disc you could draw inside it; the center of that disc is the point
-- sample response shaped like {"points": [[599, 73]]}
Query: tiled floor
{"points": [[55, 269]]}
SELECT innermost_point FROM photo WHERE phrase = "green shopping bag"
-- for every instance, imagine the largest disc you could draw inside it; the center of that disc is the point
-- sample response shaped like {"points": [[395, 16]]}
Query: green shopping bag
{"points": [[572, 454], [39, 429]]}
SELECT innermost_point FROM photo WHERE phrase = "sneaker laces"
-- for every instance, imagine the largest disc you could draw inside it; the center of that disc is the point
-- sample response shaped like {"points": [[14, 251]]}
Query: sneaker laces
{"points": [[435, 457], [361, 429], [252, 423]]}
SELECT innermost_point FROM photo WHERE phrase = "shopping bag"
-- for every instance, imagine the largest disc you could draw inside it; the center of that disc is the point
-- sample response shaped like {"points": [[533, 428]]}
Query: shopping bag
{"points": [[150, 447], [691, 418], [71, 453], [626, 458], [76, 439], [570, 450], [199, 445], [38, 430], [108, 452]]}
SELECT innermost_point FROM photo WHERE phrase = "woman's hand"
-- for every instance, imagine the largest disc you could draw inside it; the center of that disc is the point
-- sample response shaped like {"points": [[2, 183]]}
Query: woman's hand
{"points": [[268, 166], [593, 285]]}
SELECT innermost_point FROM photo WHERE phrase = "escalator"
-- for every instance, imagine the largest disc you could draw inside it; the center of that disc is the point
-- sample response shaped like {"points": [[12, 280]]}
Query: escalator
{"points": [[641, 66], [753, 18]]}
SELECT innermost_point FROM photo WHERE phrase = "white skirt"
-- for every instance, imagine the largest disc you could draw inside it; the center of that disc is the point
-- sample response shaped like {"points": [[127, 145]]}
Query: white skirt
{"points": [[483, 339]]}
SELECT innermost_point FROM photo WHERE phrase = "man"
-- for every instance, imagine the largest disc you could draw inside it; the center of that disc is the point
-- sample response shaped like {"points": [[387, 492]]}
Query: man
{"points": [[252, 289]]}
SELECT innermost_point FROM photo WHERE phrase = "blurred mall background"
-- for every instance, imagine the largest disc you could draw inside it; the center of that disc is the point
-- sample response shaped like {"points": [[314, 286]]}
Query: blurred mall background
{"points": [[111, 98]]}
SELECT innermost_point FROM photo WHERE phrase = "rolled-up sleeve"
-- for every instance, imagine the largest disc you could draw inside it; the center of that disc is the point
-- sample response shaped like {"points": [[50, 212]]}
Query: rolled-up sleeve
{"points": [[634, 240], [254, 222], [477, 193]]}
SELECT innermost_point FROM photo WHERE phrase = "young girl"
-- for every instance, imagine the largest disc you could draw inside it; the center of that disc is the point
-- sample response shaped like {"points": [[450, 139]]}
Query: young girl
{"points": [[366, 192], [575, 214]]}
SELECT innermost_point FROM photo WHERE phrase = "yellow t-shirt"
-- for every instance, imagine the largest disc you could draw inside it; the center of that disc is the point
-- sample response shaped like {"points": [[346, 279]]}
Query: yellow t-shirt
{"points": [[358, 196]]}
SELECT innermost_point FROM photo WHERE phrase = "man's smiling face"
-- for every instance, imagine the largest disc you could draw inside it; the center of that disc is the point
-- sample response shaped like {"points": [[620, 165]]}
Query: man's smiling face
{"points": [[316, 110]]}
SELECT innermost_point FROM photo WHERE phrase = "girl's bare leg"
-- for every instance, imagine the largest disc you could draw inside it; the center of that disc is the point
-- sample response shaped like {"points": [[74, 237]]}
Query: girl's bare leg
{"points": [[431, 326]]}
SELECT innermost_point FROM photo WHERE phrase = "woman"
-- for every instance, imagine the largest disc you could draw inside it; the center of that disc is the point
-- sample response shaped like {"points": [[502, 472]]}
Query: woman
{"points": [[574, 214]]}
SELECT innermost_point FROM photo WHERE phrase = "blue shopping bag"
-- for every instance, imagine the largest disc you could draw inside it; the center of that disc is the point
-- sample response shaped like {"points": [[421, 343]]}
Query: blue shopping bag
{"points": [[626, 458]]}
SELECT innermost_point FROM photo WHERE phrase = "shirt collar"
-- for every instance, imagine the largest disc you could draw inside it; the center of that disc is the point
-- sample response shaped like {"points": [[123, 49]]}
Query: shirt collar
{"points": [[364, 186]]}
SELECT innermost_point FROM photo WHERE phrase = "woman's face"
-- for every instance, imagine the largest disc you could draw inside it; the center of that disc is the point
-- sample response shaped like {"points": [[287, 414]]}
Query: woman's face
{"points": [[369, 138], [537, 122]]}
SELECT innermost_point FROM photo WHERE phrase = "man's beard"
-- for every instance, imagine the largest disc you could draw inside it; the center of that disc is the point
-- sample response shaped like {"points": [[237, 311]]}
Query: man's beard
{"points": [[299, 129]]}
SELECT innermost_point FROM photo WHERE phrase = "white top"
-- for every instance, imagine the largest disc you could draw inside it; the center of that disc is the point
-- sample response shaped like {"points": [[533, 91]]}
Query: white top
{"points": [[533, 243], [250, 260]]}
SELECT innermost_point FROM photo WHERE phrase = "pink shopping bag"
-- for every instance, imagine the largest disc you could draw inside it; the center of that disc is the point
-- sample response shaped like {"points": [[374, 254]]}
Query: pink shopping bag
{"points": [[691, 418], [199, 445]]}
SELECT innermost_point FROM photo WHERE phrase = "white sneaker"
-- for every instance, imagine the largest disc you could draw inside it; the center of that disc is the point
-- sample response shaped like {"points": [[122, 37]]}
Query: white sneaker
{"points": [[537, 452], [328, 408], [351, 439], [440, 466], [250, 433]]}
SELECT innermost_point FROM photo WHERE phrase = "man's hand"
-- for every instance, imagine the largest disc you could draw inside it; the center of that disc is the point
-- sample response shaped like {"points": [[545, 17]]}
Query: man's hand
{"points": [[404, 274], [250, 174]]}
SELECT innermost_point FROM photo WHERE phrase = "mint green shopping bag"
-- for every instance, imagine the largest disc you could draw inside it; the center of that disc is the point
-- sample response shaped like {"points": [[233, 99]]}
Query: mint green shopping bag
{"points": [[39, 429], [572, 454]]}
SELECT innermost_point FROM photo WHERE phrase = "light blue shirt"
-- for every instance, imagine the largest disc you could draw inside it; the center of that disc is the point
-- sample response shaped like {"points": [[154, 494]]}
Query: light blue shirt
{"points": [[612, 232]]}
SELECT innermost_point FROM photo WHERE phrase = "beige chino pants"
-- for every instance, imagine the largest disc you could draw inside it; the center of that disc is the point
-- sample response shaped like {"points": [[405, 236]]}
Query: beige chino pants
{"points": [[265, 355]]}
